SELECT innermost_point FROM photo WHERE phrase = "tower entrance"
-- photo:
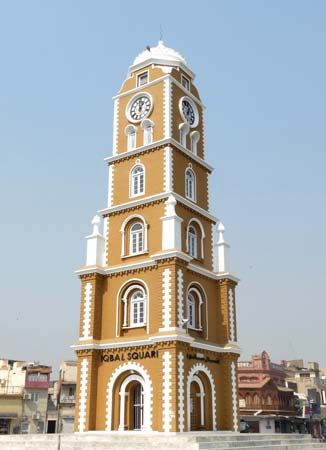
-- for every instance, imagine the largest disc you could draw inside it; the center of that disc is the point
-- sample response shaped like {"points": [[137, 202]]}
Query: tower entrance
{"points": [[137, 396]]}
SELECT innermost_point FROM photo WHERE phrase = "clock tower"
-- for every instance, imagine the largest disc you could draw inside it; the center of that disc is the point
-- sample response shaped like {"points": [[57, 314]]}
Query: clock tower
{"points": [[157, 347]]}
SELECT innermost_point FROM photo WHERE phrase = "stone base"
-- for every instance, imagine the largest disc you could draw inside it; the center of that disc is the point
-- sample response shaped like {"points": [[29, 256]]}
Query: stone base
{"points": [[160, 441]]}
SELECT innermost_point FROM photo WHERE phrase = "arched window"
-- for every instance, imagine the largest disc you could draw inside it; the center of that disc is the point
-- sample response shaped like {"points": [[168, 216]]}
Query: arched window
{"points": [[147, 126], [256, 399], [269, 400], [134, 306], [194, 138], [190, 184], [137, 180], [191, 312], [130, 132], [136, 238], [183, 131], [194, 309], [192, 242], [195, 238], [137, 308]]}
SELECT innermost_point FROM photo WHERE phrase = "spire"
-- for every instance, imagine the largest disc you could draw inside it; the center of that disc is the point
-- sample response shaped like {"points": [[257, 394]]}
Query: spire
{"points": [[95, 255], [221, 251]]}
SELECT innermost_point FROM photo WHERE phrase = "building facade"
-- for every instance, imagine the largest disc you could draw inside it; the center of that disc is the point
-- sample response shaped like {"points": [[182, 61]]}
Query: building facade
{"points": [[157, 348], [264, 399], [23, 396]]}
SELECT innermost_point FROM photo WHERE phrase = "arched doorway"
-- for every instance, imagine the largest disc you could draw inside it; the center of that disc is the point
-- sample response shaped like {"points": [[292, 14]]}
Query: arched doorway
{"points": [[201, 399], [136, 406], [197, 404]]}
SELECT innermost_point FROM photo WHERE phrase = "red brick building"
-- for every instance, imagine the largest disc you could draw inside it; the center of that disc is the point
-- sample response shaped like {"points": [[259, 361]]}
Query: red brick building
{"points": [[264, 399]]}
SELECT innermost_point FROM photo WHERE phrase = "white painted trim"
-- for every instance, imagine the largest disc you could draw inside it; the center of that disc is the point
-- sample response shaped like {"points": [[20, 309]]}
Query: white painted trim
{"points": [[167, 108], [111, 188], [181, 392], [168, 170], [136, 89], [180, 298], [197, 380], [231, 315], [234, 397], [115, 126], [194, 107], [202, 233], [122, 394], [123, 237], [193, 286], [83, 395], [148, 393], [132, 100], [167, 391], [161, 143], [234, 349], [163, 195], [193, 372], [116, 269], [133, 283], [166, 298], [131, 179], [87, 312], [171, 254], [191, 171]]}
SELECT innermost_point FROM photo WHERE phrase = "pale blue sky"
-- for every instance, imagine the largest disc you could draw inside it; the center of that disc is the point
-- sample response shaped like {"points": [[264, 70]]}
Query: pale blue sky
{"points": [[261, 72]]}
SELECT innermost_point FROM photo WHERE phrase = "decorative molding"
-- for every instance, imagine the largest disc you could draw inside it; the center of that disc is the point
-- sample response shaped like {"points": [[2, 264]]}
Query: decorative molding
{"points": [[166, 299], [181, 392], [167, 107], [148, 394], [234, 397], [111, 189], [193, 372], [230, 348], [167, 391], [231, 315], [83, 395], [168, 170], [180, 298], [157, 145], [115, 126], [87, 312]]}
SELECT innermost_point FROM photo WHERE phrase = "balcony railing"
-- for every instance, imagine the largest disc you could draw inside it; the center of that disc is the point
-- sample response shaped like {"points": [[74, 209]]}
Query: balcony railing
{"points": [[11, 390]]}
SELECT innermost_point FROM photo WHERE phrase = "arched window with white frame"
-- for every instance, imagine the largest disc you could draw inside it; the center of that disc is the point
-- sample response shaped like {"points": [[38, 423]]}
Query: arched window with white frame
{"points": [[183, 132], [137, 308], [147, 125], [133, 301], [136, 238], [190, 184], [195, 308], [137, 180], [130, 132], [194, 138], [192, 242], [191, 312]]}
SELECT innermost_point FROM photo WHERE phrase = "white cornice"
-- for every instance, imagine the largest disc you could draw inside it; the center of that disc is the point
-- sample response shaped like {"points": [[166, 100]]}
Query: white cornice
{"points": [[195, 207], [161, 143], [139, 88], [153, 198], [115, 269], [213, 275], [157, 339], [171, 254], [156, 81]]}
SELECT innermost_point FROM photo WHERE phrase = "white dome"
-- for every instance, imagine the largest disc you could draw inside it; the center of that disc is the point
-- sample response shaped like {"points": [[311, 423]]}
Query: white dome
{"points": [[161, 53]]}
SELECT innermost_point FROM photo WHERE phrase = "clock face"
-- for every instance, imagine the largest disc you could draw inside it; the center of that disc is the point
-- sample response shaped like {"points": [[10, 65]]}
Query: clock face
{"points": [[140, 108], [189, 111]]}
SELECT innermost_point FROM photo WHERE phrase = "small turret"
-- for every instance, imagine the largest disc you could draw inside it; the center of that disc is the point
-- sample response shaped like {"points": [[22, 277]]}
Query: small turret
{"points": [[95, 255]]}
